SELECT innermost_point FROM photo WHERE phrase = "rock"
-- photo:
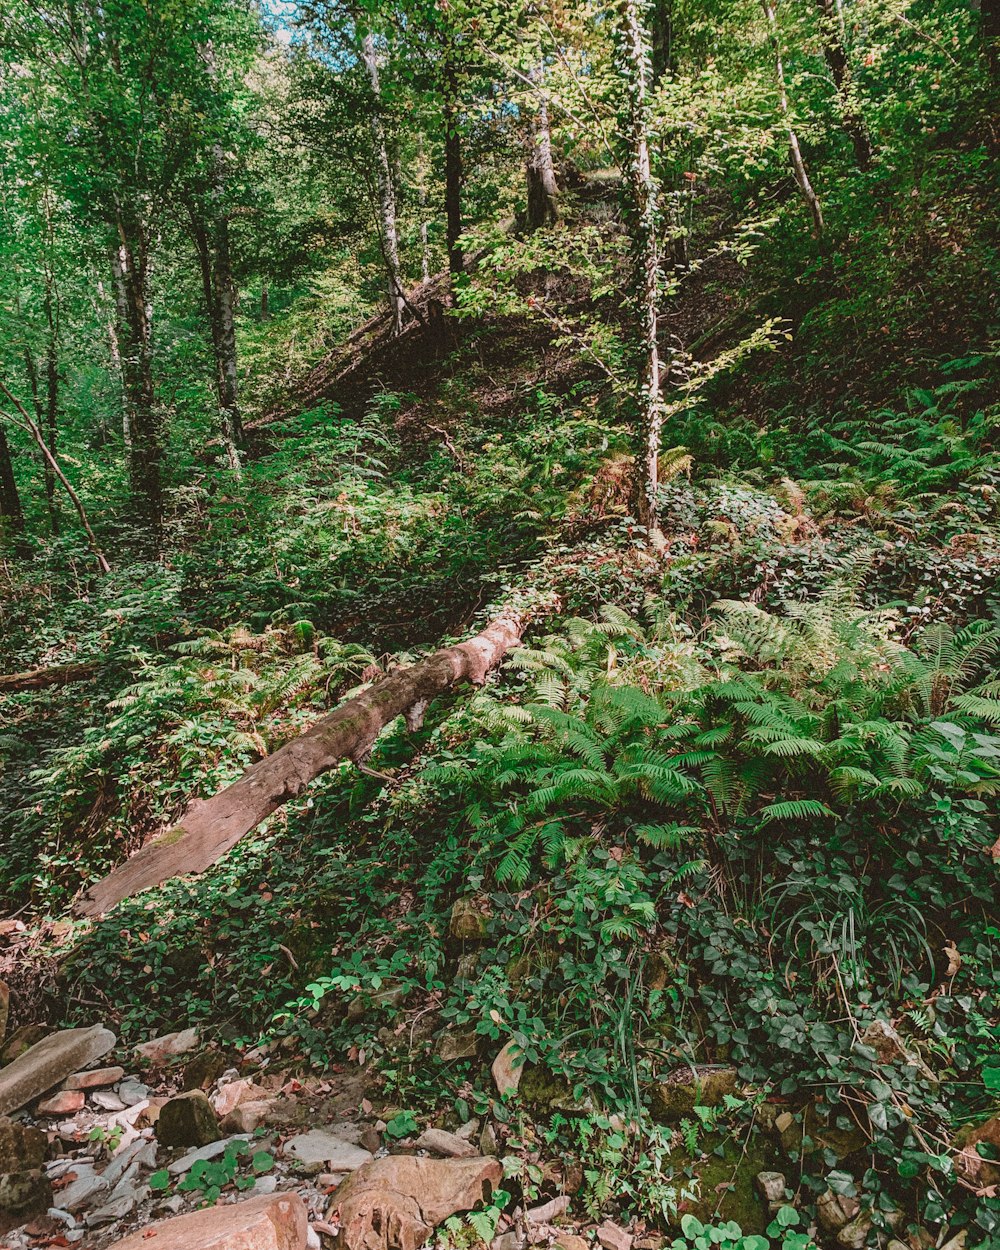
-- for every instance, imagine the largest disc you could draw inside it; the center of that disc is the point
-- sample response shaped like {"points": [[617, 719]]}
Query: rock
{"points": [[20, 1040], [132, 1091], [271, 1222], [854, 1236], [771, 1187], [457, 1044], [489, 1143], [676, 1097], [232, 1094], [107, 1100], [506, 1241], [160, 1050], [507, 1069], [468, 920], [97, 1078], [572, 1241], [204, 1069], [25, 1193], [247, 1117], [548, 1211], [468, 1130], [65, 1102], [889, 1047], [327, 1150], [613, 1237], [80, 1192], [439, 1142], [395, 1203], [4, 1009], [211, 1151], [63, 1217], [264, 1185], [370, 1138], [312, 1239], [49, 1062], [834, 1211], [140, 1153], [21, 1147], [188, 1120]]}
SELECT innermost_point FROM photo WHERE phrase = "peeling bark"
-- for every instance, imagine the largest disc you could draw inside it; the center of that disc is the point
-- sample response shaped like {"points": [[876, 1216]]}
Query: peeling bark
{"points": [[210, 827]]}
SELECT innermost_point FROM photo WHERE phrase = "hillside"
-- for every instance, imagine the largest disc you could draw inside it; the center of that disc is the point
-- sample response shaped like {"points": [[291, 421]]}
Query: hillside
{"points": [[499, 657]]}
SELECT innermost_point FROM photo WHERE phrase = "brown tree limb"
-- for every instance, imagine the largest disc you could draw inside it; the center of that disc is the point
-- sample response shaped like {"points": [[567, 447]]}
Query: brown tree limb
{"points": [[210, 827], [42, 678], [29, 424]]}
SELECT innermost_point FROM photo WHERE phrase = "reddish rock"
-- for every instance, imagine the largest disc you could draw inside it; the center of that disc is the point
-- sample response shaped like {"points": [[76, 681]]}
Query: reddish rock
{"points": [[65, 1102], [272, 1222], [97, 1078]]}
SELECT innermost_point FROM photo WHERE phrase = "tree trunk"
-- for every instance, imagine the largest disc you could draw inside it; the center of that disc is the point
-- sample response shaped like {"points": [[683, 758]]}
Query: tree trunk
{"points": [[990, 28], [44, 678], [543, 190], [452, 174], [11, 513], [835, 52], [220, 298], [633, 47], [386, 190], [662, 38], [34, 429], [210, 827], [794, 151], [131, 266]]}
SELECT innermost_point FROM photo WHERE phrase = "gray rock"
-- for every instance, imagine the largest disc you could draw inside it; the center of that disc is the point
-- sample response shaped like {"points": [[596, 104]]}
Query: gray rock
{"points": [[132, 1091], [450, 1145], [82, 1191], [141, 1151], [212, 1151], [264, 1185], [327, 1149], [49, 1062], [64, 1217], [106, 1100]]}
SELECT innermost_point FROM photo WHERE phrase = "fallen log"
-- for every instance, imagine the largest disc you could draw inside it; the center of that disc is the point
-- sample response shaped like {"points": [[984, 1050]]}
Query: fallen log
{"points": [[42, 678], [210, 827]]}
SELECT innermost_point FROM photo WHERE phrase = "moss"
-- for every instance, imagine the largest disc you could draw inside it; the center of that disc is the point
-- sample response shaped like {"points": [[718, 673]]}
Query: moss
{"points": [[726, 1182], [676, 1097]]}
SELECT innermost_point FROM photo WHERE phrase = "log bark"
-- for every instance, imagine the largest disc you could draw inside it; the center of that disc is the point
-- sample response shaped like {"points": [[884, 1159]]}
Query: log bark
{"points": [[42, 678], [210, 827]]}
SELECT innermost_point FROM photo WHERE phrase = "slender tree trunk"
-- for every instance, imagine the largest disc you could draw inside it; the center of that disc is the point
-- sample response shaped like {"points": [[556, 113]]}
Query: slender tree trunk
{"points": [[425, 249], [11, 512], [794, 151], [386, 190], [135, 337], [224, 290], [662, 37], [633, 49], [835, 52], [543, 189], [990, 28], [32, 427], [50, 303], [452, 173], [265, 309]]}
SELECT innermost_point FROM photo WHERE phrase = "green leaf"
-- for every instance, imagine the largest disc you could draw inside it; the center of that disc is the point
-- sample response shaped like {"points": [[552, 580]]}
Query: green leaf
{"points": [[159, 1180], [691, 1226]]}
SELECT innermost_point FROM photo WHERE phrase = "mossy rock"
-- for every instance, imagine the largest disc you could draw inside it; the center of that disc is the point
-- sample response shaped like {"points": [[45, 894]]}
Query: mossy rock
{"points": [[204, 1069], [543, 1090], [469, 920], [675, 1098], [735, 1168], [797, 1127], [22, 1039]]}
